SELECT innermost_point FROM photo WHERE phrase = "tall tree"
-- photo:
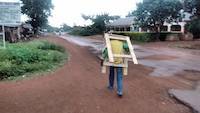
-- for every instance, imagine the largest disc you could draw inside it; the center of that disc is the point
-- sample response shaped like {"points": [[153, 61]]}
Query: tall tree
{"points": [[99, 22], [153, 13], [38, 11], [65, 28], [193, 7]]}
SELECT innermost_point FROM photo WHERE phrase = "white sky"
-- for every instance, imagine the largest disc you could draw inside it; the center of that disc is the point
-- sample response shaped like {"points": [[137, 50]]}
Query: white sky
{"points": [[69, 11]]}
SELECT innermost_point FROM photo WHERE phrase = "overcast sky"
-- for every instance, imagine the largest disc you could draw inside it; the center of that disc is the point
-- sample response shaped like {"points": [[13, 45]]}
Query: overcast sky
{"points": [[69, 11]]}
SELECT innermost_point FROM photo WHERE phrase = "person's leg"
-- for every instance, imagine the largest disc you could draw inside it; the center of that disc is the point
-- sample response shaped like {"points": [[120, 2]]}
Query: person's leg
{"points": [[119, 81], [111, 77]]}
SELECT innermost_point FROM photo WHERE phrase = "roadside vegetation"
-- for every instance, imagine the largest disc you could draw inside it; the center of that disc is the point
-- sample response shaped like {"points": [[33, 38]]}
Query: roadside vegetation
{"points": [[98, 25], [150, 14], [193, 7], [21, 59], [147, 37]]}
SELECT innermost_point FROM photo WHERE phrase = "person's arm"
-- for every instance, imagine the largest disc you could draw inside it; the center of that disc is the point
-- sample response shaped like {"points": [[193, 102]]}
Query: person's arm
{"points": [[105, 53], [125, 47]]}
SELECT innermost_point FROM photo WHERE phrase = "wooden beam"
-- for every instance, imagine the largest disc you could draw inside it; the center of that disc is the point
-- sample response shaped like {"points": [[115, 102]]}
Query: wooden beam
{"points": [[131, 49], [117, 38], [103, 69], [120, 36], [4, 37], [108, 64], [125, 69], [109, 48], [115, 65], [122, 56]]}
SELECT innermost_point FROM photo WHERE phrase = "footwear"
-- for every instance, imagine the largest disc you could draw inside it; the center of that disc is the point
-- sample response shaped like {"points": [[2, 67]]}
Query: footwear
{"points": [[110, 88], [120, 95]]}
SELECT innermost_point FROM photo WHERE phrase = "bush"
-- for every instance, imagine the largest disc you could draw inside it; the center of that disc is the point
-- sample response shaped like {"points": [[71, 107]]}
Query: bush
{"points": [[50, 46], [87, 31], [145, 37], [21, 58], [194, 28]]}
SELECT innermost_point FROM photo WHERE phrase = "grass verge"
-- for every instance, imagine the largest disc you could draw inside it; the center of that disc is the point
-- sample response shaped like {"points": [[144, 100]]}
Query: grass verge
{"points": [[23, 59]]}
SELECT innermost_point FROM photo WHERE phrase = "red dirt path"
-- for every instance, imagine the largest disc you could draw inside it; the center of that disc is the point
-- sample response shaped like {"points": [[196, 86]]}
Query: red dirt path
{"points": [[79, 87]]}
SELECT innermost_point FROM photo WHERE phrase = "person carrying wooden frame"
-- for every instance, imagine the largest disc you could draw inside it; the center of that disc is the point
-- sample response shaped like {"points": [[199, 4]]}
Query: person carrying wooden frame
{"points": [[116, 54]]}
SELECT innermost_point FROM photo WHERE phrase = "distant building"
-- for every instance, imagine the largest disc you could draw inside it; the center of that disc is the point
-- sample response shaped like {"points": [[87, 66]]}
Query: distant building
{"points": [[129, 24], [10, 20], [122, 24]]}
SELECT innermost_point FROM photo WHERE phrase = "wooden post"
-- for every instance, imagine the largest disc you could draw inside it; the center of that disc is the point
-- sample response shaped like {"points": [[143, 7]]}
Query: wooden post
{"points": [[125, 69], [4, 37], [108, 44], [131, 49], [103, 69], [18, 32]]}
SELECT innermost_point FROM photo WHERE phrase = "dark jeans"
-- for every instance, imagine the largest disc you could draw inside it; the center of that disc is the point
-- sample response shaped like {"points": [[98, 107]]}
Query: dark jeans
{"points": [[119, 79]]}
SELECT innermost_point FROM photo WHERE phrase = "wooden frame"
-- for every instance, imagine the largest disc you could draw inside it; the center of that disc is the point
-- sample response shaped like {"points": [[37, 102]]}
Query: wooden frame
{"points": [[125, 57], [111, 56], [3, 35]]}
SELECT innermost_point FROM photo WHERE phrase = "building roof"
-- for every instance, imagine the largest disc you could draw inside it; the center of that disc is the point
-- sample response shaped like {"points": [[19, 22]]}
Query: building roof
{"points": [[128, 21]]}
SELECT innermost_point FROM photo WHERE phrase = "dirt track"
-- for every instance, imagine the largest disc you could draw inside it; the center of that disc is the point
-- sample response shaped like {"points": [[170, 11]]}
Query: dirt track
{"points": [[79, 87]]}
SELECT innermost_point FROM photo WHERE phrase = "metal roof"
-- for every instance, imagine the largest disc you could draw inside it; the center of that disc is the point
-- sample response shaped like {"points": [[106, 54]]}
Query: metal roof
{"points": [[128, 21]]}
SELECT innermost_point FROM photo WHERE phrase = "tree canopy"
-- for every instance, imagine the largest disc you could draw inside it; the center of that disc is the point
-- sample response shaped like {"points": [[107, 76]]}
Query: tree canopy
{"points": [[65, 28], [38, 12], [153, 13], [99, 22], [193, 7]]}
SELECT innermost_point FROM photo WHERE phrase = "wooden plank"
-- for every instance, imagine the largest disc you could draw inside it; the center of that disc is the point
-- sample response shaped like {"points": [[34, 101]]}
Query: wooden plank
{"points": [[131, 49], [124, 66], [115, 65], [109, 48], [122, 56], [121, 36], [4, 37], [103, 69], [117, 38], [125, 69]]}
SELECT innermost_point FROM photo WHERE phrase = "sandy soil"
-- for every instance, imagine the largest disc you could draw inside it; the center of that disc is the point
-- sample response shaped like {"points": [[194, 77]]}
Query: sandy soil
{"points": [[79, 87]]}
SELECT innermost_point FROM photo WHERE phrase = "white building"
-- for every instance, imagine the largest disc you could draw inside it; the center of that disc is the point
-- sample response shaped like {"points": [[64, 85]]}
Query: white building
{"points": [[129, 25]]}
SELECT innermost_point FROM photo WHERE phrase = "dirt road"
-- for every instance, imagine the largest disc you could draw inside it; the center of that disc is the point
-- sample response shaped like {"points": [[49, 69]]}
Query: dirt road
{"points": [[79, 87]]}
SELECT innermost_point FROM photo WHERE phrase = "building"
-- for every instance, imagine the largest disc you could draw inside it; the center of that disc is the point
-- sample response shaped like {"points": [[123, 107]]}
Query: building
{"points": [[10, 20], [129, 24], [122, 24]]}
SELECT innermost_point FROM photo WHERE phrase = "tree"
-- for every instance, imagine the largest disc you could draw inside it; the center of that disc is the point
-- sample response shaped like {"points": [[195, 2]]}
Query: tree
{"points": [[38, 11], [65, 28], [50, 28], [193, 7], [99, 22], [153, 13]]}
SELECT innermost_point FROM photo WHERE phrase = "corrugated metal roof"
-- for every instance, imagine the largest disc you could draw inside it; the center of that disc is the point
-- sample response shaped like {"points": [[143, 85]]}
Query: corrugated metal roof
{"points": [[128, 21]]}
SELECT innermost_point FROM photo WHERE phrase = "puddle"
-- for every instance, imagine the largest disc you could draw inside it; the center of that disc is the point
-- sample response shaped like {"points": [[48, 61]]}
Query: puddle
{"points": [[166, 62]]}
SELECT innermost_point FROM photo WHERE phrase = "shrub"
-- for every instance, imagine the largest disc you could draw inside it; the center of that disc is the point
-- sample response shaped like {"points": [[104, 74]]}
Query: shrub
{"points": [[194, 28], [84, 31], [145, 37], [21, 58], [50, 46]]}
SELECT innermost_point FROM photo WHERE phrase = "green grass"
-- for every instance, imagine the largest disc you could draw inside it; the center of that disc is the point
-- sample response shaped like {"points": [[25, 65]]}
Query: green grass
{"points": [[21, 59]]}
